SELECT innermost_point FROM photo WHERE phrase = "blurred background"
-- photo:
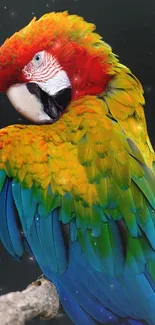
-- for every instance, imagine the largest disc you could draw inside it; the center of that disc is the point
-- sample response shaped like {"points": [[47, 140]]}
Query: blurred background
{"points": [[129, 27]]}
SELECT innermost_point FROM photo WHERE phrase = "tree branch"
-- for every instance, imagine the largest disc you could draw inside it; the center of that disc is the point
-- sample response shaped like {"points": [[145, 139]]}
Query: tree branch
{"points": [[39, 298]]}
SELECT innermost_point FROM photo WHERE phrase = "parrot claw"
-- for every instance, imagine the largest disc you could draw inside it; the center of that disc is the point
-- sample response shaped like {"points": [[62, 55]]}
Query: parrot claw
{"points": [[41, 277], [39, 281]]}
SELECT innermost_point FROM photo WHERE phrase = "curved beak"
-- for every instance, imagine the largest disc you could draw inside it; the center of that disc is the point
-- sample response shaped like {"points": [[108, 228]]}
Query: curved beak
{"points": [[27, 104]]}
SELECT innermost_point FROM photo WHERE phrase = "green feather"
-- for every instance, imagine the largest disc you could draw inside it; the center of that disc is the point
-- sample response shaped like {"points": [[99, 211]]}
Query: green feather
{"points": [[151, 269], [2, 178], [102, 191], [66, 210], [145, 188], [85, 152]]}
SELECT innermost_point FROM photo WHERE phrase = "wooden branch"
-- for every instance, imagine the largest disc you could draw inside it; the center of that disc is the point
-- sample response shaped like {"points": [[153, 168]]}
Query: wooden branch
{"points": [[39, 298]]}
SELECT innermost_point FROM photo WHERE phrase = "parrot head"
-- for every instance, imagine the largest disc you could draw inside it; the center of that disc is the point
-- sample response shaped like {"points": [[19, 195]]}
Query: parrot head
{"points": [[51, 62]]}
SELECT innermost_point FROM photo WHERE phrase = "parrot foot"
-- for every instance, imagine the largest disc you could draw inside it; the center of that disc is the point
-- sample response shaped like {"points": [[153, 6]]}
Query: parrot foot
{"points": [[40, 281], [41, 277]]}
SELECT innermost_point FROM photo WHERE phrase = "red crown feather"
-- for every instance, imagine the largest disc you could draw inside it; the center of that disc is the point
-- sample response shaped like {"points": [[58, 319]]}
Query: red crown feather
{"points": [[64, 35]]}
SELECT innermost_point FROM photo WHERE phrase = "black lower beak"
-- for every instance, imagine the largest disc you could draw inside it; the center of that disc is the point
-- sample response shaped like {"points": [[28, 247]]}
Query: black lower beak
{"points": [[53, 105]]}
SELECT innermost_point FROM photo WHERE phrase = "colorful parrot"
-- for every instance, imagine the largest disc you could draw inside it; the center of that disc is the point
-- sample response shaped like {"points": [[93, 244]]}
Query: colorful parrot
{"points": [[79, 181]]}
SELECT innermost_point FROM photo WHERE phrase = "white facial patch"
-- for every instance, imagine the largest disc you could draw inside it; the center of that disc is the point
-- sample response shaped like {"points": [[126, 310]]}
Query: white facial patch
{"points": [[45, 70], [54, 85]]}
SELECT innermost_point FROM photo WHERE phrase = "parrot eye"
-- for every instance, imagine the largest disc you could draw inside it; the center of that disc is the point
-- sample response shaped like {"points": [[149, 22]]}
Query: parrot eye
{"points": [[38, 58]]}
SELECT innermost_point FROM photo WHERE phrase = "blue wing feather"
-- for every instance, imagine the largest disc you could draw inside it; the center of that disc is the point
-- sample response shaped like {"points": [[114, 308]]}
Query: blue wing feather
{"points": [[98, 292], [29, 206], [88, 294], [43, 234], [9, 232], [13, 226], [50, 236], [73, 309]]}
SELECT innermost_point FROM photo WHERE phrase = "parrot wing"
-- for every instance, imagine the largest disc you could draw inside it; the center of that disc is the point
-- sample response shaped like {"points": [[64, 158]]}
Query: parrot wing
{"points": [[124, 100], [85, 198]]}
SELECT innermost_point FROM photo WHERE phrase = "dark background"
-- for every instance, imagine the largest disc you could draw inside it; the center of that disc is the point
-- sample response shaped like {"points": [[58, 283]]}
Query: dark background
{"points": [[129, 27]]}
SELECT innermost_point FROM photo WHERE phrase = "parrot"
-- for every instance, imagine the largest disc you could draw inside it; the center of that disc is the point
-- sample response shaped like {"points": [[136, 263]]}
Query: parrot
{"points": [[77, 183]]}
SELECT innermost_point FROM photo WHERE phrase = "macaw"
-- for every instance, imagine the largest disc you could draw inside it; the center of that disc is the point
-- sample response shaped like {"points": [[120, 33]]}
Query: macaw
{"points": [[79, 180]]}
